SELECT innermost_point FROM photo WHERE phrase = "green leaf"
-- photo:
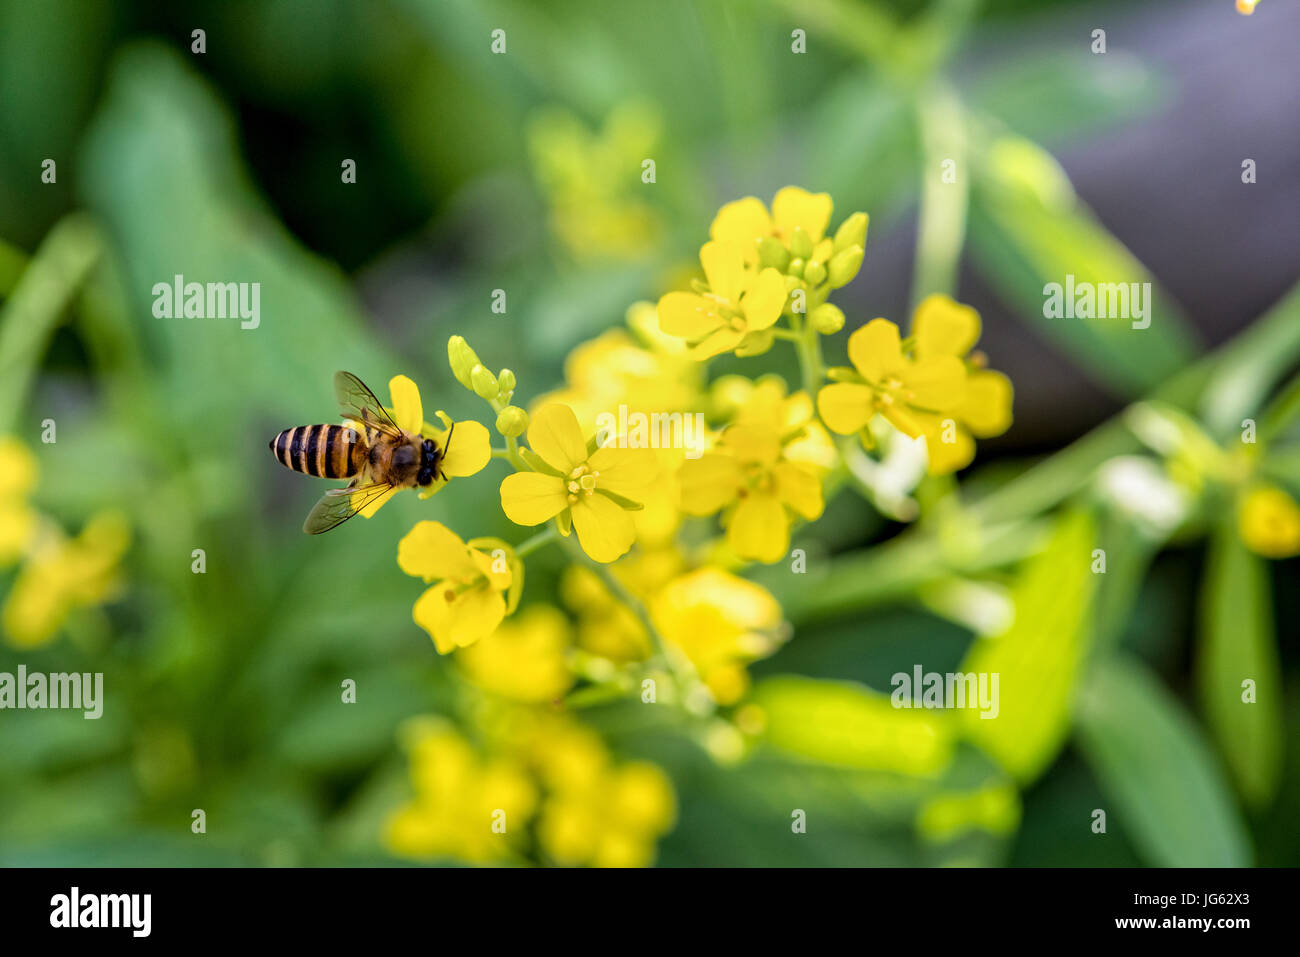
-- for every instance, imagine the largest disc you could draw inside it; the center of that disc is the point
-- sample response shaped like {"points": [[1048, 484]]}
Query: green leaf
{"points": [[848, 725], [1027, 229], [1152, 762], [1255, 362], [1037, 659], [1061, 95], [1236, 645]]}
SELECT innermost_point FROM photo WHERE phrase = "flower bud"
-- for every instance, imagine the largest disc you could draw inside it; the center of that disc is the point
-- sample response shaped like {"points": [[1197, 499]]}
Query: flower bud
{"points": [[462, 360], [827, 319], [483, 382], [801, 244], [814, 273], [771, 252], [852, 232], [512, 421], [506, 380], [844, 266], [796, 267]]}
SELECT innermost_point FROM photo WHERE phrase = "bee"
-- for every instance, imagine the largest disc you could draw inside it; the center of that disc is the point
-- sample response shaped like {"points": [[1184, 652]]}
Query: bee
{"points": [[377, 457]]}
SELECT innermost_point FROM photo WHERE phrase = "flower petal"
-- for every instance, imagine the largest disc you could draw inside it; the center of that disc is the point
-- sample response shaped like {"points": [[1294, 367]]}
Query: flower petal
{"points": [[794, 206], [495, 568], [708, 483], [759, 528], [688, 315], [742, 222], [470, 450], [553, 433], [408, 412], [943, 327], [461, 619], [986, 410], [845, 407], [799, 488], [938, 383], [764, 301], [530, 498], [948, 457], [626, 472], [724, 268], [718, 342], [875, 350], [604, 530], [431, 551]]}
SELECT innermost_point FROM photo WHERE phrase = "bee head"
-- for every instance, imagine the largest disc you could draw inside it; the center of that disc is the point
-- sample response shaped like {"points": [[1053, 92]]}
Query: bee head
{"points": [[429, 453]]}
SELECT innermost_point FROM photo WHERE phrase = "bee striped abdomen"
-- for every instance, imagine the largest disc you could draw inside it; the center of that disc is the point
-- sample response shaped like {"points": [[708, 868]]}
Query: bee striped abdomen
{"points": [[325, 451]]}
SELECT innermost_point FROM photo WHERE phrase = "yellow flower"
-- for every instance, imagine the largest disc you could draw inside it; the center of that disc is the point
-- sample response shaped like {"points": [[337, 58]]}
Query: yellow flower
{"points": [[1246, 7], [471, 446], [597, 211], [467, 601], [720, 622], [792, 238], [1268, 520], [526, 659], [746, 221], [906, 391], [589, 491], [942, 327], [63, 574], [760, 472], [17, 518], [607, 627], [648, 372], [612, 823], [466, 806], [737, 304]]}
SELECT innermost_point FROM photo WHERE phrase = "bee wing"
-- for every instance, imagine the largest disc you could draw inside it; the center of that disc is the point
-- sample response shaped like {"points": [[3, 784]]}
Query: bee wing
{"points": [[358, 403], [339, 504]]}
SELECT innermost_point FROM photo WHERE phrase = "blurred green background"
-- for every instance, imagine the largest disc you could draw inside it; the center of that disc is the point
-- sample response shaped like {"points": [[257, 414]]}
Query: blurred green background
{"points": [[225, 165]]}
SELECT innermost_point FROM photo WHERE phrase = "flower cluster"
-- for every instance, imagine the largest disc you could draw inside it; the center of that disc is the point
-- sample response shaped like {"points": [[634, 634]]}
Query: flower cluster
{"points": [[656, 527], [545, 782]]}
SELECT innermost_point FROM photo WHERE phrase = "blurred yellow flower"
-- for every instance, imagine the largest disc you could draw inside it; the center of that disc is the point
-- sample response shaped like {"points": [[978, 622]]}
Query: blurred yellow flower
{"points": [[720, 622], [764, 470], [471, 446], [467, 601], [620, 368], [591, 492], [466, 806], [595, 812], [737, 303], [1246, 7], [607, 627], [62, 574], [526, 659], [1268, 520], [597, 209], [17, 517]]}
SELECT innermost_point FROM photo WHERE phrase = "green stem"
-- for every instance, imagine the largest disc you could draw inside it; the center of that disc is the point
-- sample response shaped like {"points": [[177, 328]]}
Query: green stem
{"points": [[56, 271], [812, 369], [542, 538], [941, 229]]}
